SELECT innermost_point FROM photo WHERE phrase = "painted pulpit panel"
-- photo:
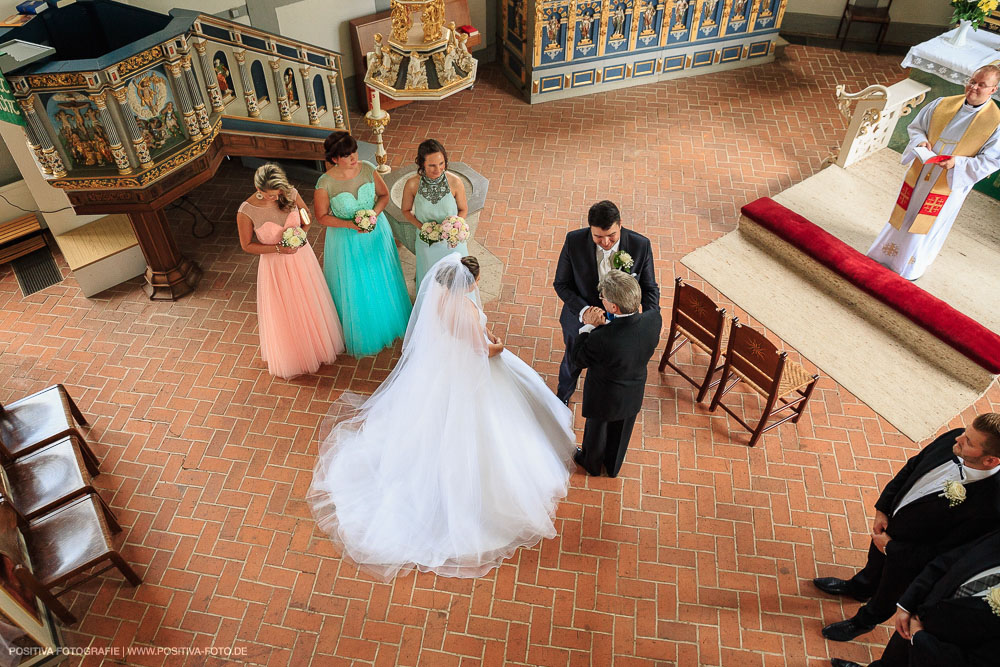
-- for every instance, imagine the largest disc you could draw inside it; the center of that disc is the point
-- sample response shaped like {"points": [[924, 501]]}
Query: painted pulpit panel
{"points": [[514, 23], [156, 112], [767, 15], [739, 17], [223, 76], [77, 123], [553, 25], [682, 16], [619, 24], [588, 28], [650, 23], [710, 21]]}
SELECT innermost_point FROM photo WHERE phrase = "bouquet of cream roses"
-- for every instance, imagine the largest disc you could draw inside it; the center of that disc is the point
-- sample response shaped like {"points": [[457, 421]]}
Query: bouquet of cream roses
{"points": [[365, 220], [452, 230], [293, 237]]}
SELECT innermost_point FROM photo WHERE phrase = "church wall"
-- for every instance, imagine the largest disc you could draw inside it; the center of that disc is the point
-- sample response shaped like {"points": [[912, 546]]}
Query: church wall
{"points": [[912, 21], [903, 11]]}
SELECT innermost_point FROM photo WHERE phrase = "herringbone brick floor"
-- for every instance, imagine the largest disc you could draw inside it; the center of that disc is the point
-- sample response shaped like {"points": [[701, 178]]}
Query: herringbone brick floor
{"points": [[699, 554]]}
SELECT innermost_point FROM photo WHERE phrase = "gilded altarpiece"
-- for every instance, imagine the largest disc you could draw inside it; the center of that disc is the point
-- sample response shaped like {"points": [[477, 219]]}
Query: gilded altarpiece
{"points": [[562, 48]]}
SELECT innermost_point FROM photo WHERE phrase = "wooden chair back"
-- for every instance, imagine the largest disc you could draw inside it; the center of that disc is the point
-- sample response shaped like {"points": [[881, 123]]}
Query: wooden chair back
{"points": [[697, 315], [755, 359]]}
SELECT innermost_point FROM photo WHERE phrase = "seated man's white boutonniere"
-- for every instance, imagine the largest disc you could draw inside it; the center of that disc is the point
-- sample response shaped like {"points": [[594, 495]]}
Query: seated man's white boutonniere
{"points": [[954, 492], [622, 261], [993, 599]]}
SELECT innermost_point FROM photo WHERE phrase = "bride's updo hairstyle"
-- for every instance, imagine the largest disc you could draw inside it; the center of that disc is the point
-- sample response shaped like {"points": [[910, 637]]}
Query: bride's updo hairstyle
{"points": [[339, 144], [472, 264], [429, 147], [458, 276]]}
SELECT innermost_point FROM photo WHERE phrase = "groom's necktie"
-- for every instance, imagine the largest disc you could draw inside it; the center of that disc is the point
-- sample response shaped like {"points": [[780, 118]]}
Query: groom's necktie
{"points": [[977, 585]]}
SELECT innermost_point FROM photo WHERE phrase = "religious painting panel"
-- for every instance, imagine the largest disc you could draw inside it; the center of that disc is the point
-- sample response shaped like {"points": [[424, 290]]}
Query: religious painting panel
{"points": [[319, 92], [767, 15], [292, 91], [739, 17], [223, 76], [82, 135], [619, 22], [156, 111], [259, 80], [588, 28], [650, 23], [681, 19], [553, 24], [710, 19]]}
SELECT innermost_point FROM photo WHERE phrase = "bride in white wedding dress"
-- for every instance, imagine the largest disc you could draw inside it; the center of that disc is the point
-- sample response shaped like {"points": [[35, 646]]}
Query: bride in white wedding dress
{"points": [[458, 459]]}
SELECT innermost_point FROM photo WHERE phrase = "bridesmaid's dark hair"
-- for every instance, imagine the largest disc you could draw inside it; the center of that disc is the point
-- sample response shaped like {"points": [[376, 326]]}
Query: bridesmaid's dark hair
{"points": [[339, 144], [429, 147], [472, 264]]}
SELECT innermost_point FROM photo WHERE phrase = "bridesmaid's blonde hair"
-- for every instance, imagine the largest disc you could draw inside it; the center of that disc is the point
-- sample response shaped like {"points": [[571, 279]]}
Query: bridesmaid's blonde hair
{"points": [[270, 176]]}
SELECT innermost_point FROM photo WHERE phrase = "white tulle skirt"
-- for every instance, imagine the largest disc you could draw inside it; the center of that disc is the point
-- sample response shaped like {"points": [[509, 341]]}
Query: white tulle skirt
{"points": [[446, 474]]}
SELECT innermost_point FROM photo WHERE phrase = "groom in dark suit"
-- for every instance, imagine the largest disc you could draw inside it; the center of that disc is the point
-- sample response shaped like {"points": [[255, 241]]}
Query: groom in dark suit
{"points": [[945, 496], [587, 256], [616, 354], [945, 617]]}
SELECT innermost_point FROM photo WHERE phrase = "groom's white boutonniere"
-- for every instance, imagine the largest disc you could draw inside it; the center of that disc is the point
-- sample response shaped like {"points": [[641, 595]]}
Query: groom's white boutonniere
{"points": [[622, 261], [954, 492], [993, 599]]}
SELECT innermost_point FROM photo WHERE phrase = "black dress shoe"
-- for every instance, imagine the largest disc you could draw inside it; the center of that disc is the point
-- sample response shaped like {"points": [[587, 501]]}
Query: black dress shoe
{"points": [[578, 459], [835, 586], [845, 631], [837, 662]]}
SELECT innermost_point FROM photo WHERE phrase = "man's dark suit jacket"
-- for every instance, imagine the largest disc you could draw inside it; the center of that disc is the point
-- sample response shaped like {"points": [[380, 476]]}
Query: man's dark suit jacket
{"points": [[962, 631], [617, 354], [576, 274], [928, 526]]}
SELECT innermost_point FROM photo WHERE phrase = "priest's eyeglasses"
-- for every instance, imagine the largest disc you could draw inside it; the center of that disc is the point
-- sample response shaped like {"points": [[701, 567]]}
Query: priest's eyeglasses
{"points": [[978, 84]]}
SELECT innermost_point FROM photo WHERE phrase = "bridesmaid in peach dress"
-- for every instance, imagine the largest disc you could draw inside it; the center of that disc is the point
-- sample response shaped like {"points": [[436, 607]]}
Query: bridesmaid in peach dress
{"points": [[299, 327]]}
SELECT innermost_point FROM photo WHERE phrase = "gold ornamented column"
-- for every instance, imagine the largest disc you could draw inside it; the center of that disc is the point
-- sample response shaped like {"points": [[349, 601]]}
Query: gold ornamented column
{"points": [[377, 123], [138, 141], [49, 154], [279, 86], [33, 141], [249, 96], [310, 98], [180, 87], [196, 99], [111, 129], [211, 81]]}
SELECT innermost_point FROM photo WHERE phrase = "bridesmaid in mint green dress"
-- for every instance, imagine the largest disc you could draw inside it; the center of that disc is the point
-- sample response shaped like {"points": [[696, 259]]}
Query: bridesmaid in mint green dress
{"points": [[361, 269], [431, 196]]}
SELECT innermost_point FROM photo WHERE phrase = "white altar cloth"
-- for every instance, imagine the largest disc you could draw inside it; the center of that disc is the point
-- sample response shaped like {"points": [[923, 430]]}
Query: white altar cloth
{"points": [[955, 63]]}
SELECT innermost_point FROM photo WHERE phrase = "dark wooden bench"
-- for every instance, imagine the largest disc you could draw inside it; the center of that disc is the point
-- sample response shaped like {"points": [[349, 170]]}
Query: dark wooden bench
{"points": [[20, 236]]}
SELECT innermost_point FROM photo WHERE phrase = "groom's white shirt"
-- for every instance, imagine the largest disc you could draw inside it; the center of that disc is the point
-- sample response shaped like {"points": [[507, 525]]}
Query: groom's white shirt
{"points": [[603, 258]]}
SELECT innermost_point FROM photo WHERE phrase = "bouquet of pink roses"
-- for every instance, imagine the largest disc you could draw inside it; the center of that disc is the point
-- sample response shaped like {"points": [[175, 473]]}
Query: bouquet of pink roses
{"points": [[454, 230], [293, 237], [365, 220]]}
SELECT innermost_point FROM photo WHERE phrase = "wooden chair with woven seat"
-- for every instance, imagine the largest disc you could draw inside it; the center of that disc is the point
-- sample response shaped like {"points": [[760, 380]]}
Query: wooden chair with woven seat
{"points": [[695, 319], [753, 359], [41, 481], [63, 545], [34, 421], [865, 14]]}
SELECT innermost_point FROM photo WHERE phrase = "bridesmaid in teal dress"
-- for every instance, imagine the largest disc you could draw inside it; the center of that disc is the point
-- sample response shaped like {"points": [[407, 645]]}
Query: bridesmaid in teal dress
{"points": [[362, 268], [431, 196]]}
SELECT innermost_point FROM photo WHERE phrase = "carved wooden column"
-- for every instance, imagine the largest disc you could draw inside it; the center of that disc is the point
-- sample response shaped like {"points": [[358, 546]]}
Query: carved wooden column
{"points": [[111, 129], [196, 99], [169, 275], [49, 153], [33, 141], [310, 98], [338, 112], [249, 96], [138, 141], [280, 90], [180, 86], [211, 79]]}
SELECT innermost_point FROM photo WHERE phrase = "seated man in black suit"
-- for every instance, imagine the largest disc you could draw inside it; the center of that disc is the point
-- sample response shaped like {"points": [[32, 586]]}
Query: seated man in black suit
{"points": [[950, 614], [586, 257], [616, 354], [943, 497]]}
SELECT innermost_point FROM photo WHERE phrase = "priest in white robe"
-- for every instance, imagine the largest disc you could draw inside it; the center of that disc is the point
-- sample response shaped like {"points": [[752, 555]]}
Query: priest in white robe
{"points": [[954, 142]]}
